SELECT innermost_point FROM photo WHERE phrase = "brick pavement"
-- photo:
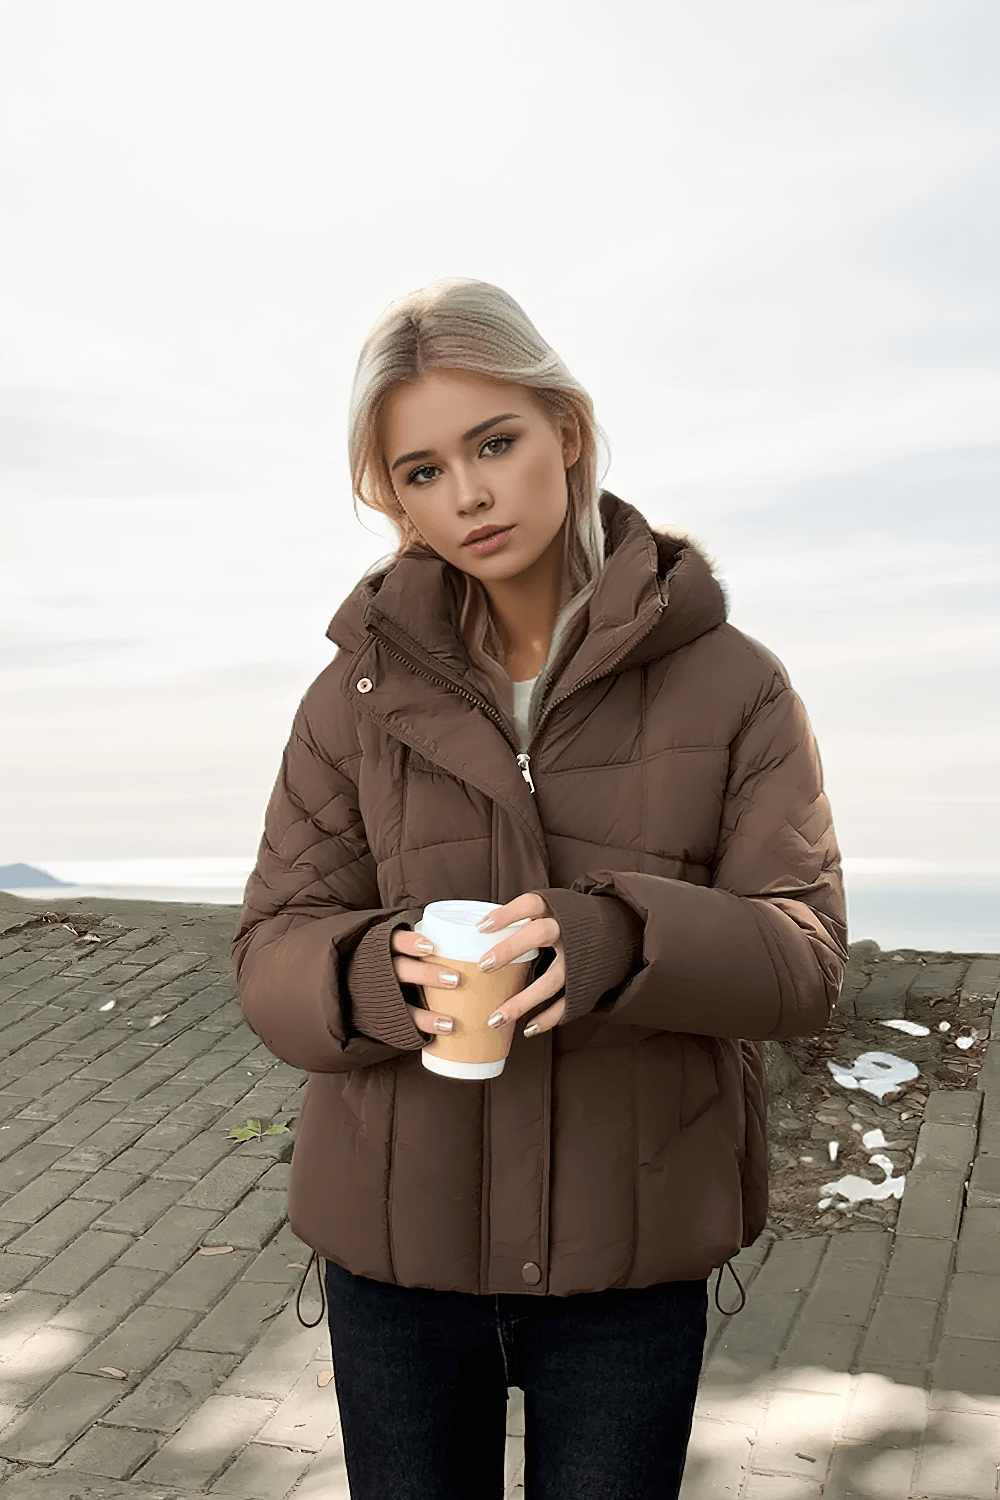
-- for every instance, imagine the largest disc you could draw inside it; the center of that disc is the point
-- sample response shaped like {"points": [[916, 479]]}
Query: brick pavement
{"points": [[132, 1364]]}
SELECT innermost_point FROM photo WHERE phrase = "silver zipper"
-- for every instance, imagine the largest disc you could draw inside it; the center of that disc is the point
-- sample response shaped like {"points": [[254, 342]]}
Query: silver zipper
{"points": [[524, 761]]}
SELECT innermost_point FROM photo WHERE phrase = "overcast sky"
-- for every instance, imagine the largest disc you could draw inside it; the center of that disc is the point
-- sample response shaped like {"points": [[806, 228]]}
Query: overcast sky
{"points": [[762, 235]]}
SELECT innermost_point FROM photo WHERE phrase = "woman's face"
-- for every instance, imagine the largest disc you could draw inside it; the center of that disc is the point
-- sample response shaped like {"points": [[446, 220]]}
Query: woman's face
{"points": [[466, 452]]}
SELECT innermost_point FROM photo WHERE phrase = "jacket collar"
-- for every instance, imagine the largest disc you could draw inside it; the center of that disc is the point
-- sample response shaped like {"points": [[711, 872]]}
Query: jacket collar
{"points": [[656, 589]]}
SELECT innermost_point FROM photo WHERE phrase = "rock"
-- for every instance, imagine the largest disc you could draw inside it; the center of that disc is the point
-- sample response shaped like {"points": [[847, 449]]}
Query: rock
{"points": [[781, 1073]]}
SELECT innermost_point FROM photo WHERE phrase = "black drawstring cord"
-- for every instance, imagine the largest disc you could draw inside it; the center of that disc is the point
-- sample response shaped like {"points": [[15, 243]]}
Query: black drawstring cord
{"points": [[322, 1293], [730, 1312]]}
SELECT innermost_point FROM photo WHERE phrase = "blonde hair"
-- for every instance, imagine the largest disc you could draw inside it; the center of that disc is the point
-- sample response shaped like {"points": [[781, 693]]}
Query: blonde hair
{"points": [[460, 324]]}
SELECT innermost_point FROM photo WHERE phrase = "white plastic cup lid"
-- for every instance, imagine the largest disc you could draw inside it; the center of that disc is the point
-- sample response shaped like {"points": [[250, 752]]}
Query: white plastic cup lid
{"points": [[451, 927]]}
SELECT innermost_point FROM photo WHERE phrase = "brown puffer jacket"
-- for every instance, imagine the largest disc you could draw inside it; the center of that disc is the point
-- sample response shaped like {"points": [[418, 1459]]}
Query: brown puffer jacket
{"points": [[679, 830]]}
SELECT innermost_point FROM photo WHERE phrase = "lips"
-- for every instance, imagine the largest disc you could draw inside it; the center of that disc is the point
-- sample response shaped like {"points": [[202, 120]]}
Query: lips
{"points": [[483, 533]]}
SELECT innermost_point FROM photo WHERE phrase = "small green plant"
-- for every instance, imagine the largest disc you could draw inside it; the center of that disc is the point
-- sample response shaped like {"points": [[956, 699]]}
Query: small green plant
{"points": [[254, 1129]]}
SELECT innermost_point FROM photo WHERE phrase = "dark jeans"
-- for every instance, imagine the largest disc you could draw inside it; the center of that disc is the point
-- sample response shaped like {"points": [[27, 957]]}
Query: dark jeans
{"points": [[609, 1381]]}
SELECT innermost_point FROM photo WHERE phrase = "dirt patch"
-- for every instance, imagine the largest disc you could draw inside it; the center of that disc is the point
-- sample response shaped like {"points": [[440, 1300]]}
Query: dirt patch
{"points": [[816, 1110]]}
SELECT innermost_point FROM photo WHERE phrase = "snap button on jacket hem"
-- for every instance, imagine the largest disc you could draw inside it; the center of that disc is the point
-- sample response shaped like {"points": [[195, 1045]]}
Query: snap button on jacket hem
{"points": [[675, 778]]}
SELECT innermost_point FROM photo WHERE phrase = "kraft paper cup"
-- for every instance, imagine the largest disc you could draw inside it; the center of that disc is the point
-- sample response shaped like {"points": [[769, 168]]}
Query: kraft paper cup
{"points": [[472, 1049]]}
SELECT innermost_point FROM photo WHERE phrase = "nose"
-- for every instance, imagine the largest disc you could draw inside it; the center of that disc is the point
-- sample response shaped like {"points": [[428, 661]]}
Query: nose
{"points": [[472, 496]]}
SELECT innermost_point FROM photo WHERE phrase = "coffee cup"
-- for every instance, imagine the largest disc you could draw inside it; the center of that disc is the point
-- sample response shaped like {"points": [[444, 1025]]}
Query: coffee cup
{"points": [[471, 1049]]}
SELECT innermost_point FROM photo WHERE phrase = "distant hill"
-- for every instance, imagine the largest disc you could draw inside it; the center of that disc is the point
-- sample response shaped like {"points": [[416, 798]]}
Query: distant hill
{"points": [[24, 877]]}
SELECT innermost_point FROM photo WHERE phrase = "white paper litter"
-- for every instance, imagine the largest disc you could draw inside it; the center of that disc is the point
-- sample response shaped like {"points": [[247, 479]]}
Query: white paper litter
{"points": [[824, 1203], [873, 1138], [109, 1006], [833, 1148], [944, 1026], [912, 1028], [878, 1073], [965, 1042], [859, 1189]]}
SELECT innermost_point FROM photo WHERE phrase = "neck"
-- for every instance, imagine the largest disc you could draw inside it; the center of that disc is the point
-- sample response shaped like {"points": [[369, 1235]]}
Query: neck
{"points": [[524, 611]]}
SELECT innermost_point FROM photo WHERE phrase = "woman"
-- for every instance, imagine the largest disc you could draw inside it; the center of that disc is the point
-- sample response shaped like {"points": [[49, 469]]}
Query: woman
{"points": [[562, 723]]}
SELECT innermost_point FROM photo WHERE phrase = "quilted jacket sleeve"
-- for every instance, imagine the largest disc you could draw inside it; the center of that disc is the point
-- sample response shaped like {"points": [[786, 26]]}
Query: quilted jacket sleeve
{"points": [[761, 952], [311, 953]]}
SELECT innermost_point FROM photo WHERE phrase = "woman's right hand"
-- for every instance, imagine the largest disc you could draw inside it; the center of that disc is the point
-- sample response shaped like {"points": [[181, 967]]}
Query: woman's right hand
{"points": [[411, 965]]}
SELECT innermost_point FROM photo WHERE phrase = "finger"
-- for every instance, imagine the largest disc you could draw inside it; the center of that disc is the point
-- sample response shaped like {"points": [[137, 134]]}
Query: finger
{"points": [[401, 940], [546, 1019], [544, 988], [528, 905], [429, 1020], [427, 975], [545, 932]]}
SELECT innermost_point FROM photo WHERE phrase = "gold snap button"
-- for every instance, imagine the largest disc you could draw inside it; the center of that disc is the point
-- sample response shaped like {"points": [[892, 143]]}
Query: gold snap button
{"points": [[365, 685], [530, 1273]]}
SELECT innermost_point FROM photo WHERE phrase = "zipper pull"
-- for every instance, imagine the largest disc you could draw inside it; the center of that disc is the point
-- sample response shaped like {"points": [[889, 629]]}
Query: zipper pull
{"points": [[524, 762]]}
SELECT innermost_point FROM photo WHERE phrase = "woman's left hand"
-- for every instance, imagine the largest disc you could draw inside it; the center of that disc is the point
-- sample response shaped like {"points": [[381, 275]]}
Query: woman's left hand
{"points": [[542, 931]]}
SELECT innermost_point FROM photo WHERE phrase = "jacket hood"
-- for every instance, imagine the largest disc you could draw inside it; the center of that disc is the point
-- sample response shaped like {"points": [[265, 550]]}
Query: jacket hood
{"points": [[647, 571]]}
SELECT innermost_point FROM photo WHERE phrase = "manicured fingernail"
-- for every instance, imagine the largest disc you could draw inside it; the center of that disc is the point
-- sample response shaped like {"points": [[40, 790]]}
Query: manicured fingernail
{"points": [[447, 977], [485, 925], [488, 961], [530, 1030], [497, 1019], [424, 945], [444, 1023]]}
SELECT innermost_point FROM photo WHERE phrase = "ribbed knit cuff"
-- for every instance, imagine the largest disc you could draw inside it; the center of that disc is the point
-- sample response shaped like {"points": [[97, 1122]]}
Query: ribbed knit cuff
{"points": [[603, 938], [377, 1003]]}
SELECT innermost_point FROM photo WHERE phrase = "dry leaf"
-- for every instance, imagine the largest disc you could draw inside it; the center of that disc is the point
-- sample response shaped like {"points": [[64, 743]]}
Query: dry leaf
{"points": [[215, 1250], [115, 1374], [323, 1378], [297, 1265]]}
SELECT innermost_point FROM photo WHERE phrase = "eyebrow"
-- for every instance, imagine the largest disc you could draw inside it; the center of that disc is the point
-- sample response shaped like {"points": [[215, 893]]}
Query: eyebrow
{"points": [[406, 458]]}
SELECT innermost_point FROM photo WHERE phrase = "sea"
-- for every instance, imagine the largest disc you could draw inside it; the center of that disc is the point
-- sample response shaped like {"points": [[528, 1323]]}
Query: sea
{"points": [[899, 903]]}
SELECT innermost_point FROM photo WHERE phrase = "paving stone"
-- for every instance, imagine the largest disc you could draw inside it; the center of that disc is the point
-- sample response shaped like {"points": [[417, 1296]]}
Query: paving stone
{"points": [[81, 1263], [859, 1246], [326, 1478], [226, 1089], [881, 1409], [818, 1357], [18, 1038], [937, 979], [108, 1185], [959, 1456], [966, 1375], [260, 1471], [977, 1241], [797, 1422], [762, 1326], [952, 1107], [226, 1184], [187, 1110], [57, 1229], [307, 1416], [181, 1382], [843, 1293], [919, 1268], [276, 1361], [984, 1184], [233, 1325], [17, 1136], [195, 1160], [206, 1442], [23, 1315], [39, 1360], [790, 1266], [61, 1101], [982, 980], [102, 1147], [57, 1418], [115, 1063], [932, 1205], [944, 1148], [76, 1128], [107, 1300], [252, 1224], [42, 1080], [285, 1259], [169, 1242], [216, 1073], [141, 1208], [863, 1471], [40, 1197], [278, 1177], [140, 1342], [169, 1136], [17, 1269], [201, 1281], [973, 1310], [901, 1333], [113, 1451]]}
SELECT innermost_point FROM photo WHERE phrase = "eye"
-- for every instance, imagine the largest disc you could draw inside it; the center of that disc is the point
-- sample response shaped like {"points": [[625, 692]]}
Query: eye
{"points": [[507, 439]]}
